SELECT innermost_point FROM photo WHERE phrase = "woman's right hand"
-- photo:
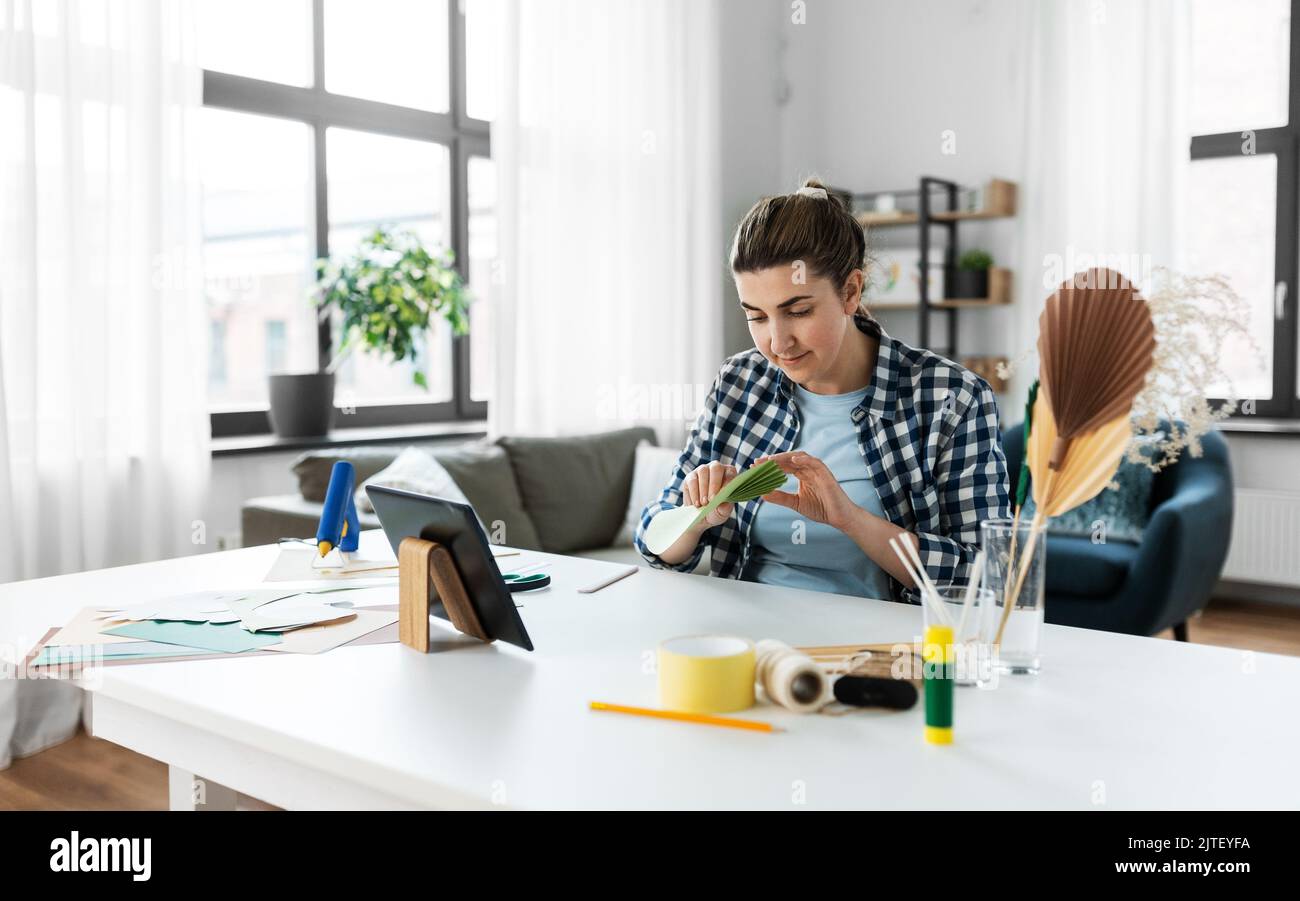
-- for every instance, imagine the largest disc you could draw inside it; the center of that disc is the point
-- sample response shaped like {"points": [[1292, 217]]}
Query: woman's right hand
{"points": [[704, 482]]}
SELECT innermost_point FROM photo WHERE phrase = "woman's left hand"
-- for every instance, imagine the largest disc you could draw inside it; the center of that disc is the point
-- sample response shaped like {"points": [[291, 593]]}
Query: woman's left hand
{"points": [[820, 497]]}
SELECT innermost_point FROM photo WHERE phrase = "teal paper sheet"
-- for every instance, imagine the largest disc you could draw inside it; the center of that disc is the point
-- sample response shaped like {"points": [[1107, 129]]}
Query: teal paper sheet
{"points": [[134, 650], [229, 638]]}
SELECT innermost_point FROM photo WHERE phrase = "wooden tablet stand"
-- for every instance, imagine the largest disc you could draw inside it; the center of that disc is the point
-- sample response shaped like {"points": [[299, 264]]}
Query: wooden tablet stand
{"points": [[424, 566]]}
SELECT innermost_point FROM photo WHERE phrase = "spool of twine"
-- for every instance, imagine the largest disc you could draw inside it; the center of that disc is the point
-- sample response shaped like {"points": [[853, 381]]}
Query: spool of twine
{"points": [[789, 677]]}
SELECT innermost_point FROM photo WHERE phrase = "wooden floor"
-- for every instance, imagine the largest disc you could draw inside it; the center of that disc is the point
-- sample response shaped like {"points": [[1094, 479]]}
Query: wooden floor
{"points": [[90, 774]]}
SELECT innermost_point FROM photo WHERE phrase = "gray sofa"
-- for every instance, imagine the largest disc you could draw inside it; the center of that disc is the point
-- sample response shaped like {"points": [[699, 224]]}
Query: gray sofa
{"points": [[564, 495]]}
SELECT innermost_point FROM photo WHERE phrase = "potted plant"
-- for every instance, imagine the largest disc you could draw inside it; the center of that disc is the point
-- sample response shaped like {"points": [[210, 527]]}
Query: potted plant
{"points": [[970, 281], [386, 295]]}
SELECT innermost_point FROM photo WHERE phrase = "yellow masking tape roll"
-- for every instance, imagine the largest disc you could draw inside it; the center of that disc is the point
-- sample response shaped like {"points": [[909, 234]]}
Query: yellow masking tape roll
{"points": [[706, 674]]}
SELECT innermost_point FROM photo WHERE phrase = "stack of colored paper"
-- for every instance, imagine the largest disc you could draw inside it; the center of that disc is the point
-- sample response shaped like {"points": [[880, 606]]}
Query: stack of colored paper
{"points": [[216, 622]]}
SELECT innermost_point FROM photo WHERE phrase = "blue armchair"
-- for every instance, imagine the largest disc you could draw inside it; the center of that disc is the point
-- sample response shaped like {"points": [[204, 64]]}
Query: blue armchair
{"points": [[1142, 589]]}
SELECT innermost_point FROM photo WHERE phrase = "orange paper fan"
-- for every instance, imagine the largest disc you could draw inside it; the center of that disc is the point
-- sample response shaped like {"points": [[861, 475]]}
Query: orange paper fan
{"points": [[1086, 469], [1095, 345], [1096, 342]]}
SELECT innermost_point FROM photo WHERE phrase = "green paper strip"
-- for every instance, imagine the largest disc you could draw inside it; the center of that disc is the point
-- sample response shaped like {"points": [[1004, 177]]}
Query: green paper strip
{"points": [[750, 484], [1022, 485]]}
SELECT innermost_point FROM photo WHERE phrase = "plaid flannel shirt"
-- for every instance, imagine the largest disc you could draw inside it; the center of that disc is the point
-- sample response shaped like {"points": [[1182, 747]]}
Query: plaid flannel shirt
{"points": [[927, 431]]}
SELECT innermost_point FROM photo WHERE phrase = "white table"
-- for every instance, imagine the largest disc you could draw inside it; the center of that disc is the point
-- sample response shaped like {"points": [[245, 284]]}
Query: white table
{"points": [[1113, 721]]}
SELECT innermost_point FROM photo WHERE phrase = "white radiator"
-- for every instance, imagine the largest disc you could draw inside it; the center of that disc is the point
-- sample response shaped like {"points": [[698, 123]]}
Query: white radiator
{"points": [[1265, 538]]}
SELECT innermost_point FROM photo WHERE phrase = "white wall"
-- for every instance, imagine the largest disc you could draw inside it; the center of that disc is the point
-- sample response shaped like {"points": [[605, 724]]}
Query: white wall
{"points": [[874, 87], [235, 479], [1266, 462], [752, 82], [860, 94]]}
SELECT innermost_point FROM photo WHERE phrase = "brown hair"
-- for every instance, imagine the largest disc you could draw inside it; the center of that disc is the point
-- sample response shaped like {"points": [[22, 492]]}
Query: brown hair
{"points": [[820, 232]]}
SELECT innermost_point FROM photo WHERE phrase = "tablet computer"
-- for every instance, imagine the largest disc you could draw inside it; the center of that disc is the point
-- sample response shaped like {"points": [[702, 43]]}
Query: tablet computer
{"points": [[405, 514]]}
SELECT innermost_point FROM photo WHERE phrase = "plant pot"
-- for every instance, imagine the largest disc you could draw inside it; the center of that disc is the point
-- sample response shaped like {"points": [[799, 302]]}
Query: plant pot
{"points": [[968, 284], [302, 404]]}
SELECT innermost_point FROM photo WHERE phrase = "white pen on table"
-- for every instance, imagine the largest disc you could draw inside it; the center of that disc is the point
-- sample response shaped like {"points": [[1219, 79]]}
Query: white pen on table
{"points": [[609, 580]]}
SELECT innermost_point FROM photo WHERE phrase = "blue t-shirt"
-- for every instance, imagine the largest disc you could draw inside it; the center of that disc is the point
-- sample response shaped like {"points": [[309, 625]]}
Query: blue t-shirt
{"points": [[787, 549]]}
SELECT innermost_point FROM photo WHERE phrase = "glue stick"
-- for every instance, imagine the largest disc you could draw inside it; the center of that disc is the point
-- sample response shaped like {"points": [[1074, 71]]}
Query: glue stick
{"points": [[938, 654]]}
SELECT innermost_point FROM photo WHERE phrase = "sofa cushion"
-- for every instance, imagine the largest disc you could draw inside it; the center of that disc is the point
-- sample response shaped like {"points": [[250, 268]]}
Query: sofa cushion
{"points": [[575, 488], [653, 471], [314, 467], [1077, 567], [415, 469], [481, 470]]}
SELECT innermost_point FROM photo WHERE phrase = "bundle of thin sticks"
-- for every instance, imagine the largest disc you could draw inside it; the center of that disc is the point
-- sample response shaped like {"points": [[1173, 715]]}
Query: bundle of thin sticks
{"points": [[877, 660], [911, 560]]}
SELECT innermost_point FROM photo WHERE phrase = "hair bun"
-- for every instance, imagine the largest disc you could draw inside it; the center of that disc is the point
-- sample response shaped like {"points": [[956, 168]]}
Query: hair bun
{"points": [[813, 191]]}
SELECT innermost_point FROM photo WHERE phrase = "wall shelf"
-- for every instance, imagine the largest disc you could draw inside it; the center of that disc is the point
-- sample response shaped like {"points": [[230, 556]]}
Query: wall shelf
{"points": [[999, 202], [969, 215], [884, 220], [999, 296]]}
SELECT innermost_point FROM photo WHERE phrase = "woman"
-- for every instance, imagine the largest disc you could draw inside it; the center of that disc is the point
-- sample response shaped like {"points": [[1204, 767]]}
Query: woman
{"points": [[884, 440]]}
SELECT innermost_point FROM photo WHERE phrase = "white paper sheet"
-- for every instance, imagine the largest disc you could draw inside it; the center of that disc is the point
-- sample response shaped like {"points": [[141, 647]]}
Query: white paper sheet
{"points": [[296, 562], [316, 639], [84, 629]]}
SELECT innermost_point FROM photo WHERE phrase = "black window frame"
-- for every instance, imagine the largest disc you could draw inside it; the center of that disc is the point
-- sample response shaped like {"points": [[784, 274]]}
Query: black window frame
{"points": [[319, 109], [1284, 143]]}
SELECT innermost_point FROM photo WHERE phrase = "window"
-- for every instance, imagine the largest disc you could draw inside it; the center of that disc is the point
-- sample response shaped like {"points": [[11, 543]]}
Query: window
{"points": [[375, 179], [278, 49], [257, 249], [326, 119], [1243, 219], [275, 346], [217, 359], [387, 50]]}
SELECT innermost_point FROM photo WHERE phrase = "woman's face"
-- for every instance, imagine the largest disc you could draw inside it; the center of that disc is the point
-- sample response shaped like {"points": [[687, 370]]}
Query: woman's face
{"points": [[798, 327]]}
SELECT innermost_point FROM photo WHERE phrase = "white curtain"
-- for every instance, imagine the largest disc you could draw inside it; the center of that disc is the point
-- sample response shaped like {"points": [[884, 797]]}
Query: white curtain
{"points": [[609, 311], [1105, 149], [104, 434]]}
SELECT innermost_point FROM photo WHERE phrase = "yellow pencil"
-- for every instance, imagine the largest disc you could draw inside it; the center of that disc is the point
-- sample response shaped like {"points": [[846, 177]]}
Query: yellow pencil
{"points": [[688, 717]]}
